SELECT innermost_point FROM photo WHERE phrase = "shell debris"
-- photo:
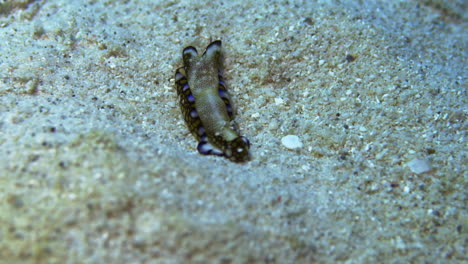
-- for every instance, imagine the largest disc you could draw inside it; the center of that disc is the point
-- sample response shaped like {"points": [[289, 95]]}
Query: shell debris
{"points": [[291, 142], [418, 166]]}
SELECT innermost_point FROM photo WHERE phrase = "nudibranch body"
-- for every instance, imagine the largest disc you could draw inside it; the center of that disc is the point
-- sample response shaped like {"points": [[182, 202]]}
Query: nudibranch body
{"points": [[206, 105]]}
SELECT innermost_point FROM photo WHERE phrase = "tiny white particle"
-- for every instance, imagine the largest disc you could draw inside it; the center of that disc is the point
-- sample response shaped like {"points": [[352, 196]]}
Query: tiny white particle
{"points": [[406, 189], [291, 142], [273, 125], [72, 196], [279, 101], [399, 243], [419, 166]]}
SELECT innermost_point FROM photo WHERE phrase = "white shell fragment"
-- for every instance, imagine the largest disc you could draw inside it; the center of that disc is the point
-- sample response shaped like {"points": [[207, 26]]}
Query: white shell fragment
{"points": [[291, 142], [419, 166]]}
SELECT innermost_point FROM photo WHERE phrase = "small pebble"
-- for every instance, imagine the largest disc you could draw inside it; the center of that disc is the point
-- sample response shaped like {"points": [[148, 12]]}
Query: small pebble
{"points": [[279, 101], [255, 115], [273, 125], [419, 166], [291, 142]]}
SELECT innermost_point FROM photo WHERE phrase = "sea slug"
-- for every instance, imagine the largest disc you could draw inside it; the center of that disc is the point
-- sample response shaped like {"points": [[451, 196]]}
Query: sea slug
{"points": [[206, 104]]}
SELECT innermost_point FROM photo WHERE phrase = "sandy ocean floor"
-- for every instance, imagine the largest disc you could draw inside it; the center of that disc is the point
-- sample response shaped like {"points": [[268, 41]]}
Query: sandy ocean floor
{"points": [[97, 165]]}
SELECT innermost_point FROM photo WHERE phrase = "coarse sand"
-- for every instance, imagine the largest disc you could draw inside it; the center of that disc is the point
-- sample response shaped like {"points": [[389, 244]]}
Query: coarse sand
{"points": [[356, 111]]}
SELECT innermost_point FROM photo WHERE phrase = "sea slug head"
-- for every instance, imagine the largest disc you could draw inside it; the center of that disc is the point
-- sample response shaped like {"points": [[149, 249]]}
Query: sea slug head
{"points": [[238, 150]]}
